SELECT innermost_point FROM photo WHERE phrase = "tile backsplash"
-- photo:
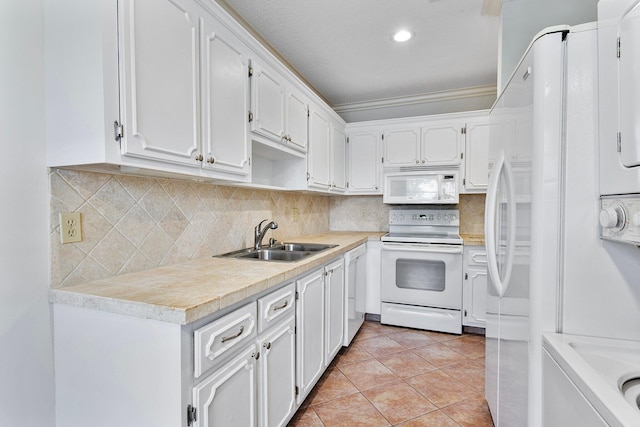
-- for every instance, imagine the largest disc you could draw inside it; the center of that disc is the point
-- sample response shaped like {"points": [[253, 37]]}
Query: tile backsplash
{"points": [[132, 224], [368, 213]]}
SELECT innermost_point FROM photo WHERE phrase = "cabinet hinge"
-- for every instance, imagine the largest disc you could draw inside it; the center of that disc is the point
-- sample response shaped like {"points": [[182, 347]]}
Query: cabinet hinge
{"points": [[464, 181], [191, 415], [297, 391], [464, 130], [618, 47], [250, 71], [250, 116], [347, 184], [466, 276], [118, 130], [619, 144], [382, 160], [297, 295], [308, 114], [465, 313], [249, 161], [383, 136], [308, 176], [347, 140]]}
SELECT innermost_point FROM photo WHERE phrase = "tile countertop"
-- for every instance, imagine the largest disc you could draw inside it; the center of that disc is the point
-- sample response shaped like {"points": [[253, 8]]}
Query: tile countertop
{"points": [[473, 239], [186, 292]]}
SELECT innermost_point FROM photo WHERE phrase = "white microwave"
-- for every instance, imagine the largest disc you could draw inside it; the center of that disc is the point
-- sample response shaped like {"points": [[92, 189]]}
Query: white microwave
{"points": [[421, 187]]}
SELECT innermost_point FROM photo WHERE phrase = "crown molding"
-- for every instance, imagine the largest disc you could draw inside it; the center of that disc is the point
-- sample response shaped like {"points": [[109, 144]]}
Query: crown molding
{"points": [[488, 90]]}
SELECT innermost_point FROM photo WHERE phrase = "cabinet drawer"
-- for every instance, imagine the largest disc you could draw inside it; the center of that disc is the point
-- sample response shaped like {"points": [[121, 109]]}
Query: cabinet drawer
{"points": [[221, 337], [476, 256], [275, 306]]}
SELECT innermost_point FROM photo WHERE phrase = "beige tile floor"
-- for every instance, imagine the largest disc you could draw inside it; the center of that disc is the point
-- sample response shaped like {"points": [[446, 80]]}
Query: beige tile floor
{"points": [[401, 377]]}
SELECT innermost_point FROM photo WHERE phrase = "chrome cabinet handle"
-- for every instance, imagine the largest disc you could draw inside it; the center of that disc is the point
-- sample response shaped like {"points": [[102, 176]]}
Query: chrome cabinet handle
{"points": [[211, 160], [424, 161], [417, 161], [256, 355], [232, 337], [280, 307], [199, 158], [267, 345]]}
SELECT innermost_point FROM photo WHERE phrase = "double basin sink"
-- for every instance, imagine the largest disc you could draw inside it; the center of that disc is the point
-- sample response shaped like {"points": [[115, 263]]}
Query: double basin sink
{"points": [[288, 252]]}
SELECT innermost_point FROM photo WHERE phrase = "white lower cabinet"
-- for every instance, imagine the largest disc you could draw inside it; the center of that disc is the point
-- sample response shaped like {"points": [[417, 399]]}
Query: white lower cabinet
{"points": [[228, 396], [334, 308], [320, 323], [310, 331], [277, 375], [252, 366], [474, 294]]}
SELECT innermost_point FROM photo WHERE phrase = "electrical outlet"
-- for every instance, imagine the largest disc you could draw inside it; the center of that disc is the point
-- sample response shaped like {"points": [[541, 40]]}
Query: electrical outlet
{"points": [[295, 213], [70, 227]]}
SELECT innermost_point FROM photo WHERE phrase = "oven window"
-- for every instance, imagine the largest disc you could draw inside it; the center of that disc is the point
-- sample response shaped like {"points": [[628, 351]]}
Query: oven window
{"points": [[426, 275]]}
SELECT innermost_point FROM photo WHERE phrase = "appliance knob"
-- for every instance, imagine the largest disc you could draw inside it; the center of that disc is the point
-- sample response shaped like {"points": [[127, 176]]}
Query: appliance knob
{"points": [[612, 217], [635, 219]]}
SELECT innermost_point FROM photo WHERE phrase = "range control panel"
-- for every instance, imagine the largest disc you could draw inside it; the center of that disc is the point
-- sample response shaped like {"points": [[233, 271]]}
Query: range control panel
{"points": [[620, 218], [449, 217]]}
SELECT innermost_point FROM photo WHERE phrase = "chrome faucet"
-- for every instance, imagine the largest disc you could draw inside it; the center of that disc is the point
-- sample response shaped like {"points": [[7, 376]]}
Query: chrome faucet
{"points": [[259, 233]]}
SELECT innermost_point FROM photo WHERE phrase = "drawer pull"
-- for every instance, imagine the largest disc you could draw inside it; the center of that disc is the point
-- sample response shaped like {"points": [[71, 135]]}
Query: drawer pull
{"points": [[232, 337], [280, 307]]}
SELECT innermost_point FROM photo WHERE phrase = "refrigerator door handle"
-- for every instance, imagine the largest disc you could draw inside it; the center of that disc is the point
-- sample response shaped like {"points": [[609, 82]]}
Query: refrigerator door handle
{"points": [[500, 284]]}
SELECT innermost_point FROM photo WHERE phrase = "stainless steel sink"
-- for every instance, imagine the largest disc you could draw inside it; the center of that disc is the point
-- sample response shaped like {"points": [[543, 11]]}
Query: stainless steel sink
{"points": [[287, 252], [307, 247], [276, 255]]}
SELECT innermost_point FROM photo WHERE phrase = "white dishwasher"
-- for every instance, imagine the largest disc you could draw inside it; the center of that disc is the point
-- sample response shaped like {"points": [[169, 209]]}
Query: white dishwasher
{"points": [[354, 265]]}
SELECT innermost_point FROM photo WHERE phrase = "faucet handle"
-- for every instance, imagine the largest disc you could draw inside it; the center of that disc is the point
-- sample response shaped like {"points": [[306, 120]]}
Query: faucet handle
{"points": [[260, 224]]}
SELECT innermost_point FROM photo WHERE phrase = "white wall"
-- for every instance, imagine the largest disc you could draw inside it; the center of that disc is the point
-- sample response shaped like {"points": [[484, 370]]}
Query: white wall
{"points": [[523, 19], [26, 355]]}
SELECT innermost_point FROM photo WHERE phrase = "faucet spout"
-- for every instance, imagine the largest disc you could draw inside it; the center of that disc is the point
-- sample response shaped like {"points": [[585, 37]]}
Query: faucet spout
{"points": [[260, 231]]}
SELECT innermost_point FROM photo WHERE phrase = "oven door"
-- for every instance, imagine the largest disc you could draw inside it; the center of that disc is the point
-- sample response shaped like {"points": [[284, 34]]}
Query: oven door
{"points": [[426, 275]]}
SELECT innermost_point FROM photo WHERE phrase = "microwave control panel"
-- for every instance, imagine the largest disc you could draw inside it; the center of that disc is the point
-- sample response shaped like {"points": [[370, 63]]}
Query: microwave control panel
{"points": [[620, 218]]}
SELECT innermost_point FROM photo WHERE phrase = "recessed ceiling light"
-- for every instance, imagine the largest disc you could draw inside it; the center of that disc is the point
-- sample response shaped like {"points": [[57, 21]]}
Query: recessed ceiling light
{"points": [[402, 36]]}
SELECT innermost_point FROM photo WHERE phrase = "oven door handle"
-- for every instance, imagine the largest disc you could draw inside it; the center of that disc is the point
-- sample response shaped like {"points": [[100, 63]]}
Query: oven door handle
{"points": [[400, 247]]}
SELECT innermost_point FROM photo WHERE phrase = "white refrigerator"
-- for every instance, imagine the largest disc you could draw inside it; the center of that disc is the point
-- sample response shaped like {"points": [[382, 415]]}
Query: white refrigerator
{"points": [[547, 110]]}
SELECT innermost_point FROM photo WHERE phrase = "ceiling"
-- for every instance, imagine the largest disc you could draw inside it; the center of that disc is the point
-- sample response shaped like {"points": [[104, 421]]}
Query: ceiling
{"points": [[343, 48]]}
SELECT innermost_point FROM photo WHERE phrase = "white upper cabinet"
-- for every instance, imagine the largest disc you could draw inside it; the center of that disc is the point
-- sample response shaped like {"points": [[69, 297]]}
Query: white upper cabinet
{"points": [[433, 144], [296, 119], [476, 162], [159, 47], [279, 111], [442, 144], [338, 158], [225, 100], [318, 156], [401, 147], [267, 102], [153, 87], [364, 163]]}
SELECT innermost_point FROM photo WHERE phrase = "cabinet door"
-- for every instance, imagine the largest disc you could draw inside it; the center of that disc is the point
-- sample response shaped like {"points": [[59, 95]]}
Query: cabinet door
{"points": [[476, 168], [442, 144], [225, 101], [228, 396], [267, 102], [338, 159], [318, 156], [310, 331], [364, 163], [296, 119], [278, 374], [159, 60], [475, 287], [334, 310], [401, 147]]}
